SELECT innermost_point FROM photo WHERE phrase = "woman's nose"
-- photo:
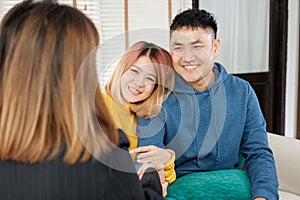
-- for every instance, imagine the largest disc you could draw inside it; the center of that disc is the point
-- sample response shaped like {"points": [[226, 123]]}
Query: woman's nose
{"points": [[140, 81]]}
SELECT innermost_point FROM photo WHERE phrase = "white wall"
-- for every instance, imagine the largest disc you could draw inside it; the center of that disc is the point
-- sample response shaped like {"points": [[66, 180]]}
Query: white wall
{"points": [[292, 69]]}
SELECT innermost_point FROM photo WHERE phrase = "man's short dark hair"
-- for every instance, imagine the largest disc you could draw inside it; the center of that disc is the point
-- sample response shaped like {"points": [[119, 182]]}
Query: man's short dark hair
{"points": [[194, 18]]}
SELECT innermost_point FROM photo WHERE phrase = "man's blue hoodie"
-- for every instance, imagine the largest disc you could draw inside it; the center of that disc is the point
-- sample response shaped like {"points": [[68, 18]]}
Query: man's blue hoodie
{"points": [[209, 130]]}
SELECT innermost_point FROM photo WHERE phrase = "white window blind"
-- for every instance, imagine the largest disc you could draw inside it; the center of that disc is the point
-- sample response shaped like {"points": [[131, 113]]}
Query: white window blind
{"points": [[112, 34], [108, 17], [147, 20]]}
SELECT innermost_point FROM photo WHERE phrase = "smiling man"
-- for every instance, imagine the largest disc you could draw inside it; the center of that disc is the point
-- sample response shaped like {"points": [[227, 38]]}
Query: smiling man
{"points": [[211, 117], [193, 53]]}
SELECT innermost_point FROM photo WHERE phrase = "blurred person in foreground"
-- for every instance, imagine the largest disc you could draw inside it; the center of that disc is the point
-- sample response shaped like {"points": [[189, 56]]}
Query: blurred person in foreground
{"points": [[57, 140]]}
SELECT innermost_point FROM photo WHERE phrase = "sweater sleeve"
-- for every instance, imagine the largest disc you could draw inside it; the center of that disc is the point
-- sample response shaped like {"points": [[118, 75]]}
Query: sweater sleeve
{"points": [[169, 170]]}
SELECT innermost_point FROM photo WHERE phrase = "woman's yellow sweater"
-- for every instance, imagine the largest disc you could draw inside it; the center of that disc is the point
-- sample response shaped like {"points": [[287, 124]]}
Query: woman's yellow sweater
{"points": [[125, 120]]}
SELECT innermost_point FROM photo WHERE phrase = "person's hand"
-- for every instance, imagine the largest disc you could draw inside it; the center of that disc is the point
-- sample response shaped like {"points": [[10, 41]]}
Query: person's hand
{"points": [[159, 167], [164, 188], [152, 153], [155, 157]]}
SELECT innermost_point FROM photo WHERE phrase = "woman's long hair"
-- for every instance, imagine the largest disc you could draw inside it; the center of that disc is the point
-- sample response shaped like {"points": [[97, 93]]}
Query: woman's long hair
{"points": [[42, 46], [162, 61]]}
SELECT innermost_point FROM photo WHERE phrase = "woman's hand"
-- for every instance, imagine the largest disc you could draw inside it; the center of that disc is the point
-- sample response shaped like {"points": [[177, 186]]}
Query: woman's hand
{"points": [[155, 157], [160, 170], [152, 153]]}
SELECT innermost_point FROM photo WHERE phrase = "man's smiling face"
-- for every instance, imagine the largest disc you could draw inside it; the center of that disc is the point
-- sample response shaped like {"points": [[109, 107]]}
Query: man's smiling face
{"points": [[193, 52]]}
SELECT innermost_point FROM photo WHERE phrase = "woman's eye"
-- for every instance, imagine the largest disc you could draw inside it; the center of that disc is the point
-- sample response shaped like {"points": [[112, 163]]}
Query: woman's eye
{"points": [[150, 79], [134, 71]]}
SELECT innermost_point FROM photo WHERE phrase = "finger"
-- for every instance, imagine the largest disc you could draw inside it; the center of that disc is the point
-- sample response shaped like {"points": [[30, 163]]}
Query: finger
{"points": [[140, 176], [164, 188], [161, 175], [148, 160], [142, 170], [149, 154], [158, 166], [142, 149], [162, 155]]}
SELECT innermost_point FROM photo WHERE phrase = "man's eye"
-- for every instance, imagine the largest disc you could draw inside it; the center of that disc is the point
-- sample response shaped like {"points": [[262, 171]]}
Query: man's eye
{"points": [[197, 47], [177, 48]]}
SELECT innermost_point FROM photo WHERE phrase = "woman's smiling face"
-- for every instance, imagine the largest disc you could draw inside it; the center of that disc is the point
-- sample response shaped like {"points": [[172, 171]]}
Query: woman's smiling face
{"points": [[138, 82]]}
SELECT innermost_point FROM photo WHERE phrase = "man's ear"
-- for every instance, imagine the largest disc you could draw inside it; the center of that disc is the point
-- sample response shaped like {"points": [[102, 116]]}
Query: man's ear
{"points": [[216, 47]]}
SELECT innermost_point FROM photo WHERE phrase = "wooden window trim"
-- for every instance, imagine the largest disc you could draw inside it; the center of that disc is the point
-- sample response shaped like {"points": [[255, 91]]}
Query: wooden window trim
{"points": [[298, 107], [275, 101]]}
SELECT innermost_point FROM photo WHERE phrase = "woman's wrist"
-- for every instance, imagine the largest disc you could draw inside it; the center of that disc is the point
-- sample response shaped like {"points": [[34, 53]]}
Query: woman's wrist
{"points": [[171, 152]]}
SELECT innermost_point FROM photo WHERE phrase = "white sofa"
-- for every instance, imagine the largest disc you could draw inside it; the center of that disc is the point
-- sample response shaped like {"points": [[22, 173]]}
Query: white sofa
{"points": [[287, 159]]}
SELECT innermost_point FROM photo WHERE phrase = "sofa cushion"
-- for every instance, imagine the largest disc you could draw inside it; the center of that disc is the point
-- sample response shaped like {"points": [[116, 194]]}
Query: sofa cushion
{"points": [[222, 184], [288, 196], [286, 153]]}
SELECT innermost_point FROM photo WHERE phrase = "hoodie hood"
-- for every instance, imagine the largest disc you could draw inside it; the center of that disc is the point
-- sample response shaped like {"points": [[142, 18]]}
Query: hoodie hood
{"points": [[188, 96]]}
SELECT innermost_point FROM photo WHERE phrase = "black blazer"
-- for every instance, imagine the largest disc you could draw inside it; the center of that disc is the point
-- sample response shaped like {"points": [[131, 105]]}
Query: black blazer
{"points": [[56, 180]]}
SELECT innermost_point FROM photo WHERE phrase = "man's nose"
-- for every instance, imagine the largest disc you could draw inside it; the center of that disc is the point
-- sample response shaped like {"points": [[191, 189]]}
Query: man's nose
{"points": [[188, 55]]}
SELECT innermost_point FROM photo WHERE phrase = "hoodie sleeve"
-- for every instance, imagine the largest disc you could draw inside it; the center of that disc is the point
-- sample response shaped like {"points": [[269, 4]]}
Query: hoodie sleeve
{"points": [[259, 160], [151, 131]]}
